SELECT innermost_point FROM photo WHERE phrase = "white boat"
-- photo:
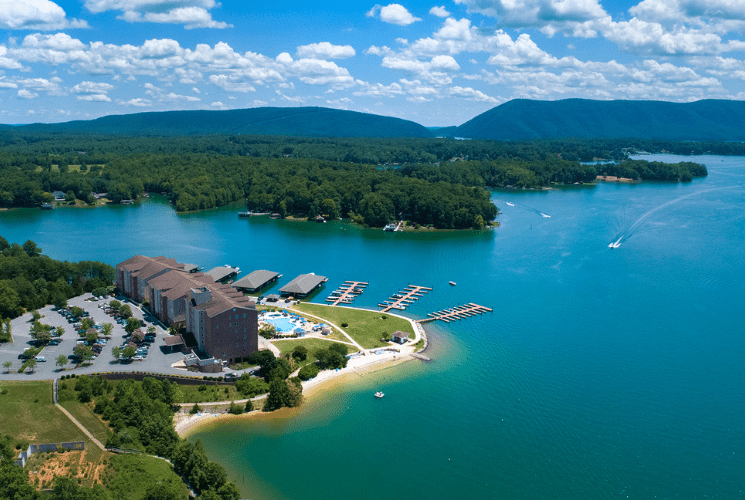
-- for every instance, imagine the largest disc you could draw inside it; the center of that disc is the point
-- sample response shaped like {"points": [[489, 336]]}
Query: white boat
{"points": [[389, 227], [510, 204], [379, 394], [615, 244], [546, 216], [452, 283]]}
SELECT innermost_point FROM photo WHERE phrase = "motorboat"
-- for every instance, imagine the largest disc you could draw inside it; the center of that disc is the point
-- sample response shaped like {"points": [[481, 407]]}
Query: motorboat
{"points": [[379, 394]]}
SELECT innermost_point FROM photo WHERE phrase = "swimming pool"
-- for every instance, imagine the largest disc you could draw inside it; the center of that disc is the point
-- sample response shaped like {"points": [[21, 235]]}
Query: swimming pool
{"points": [[283, 325]]}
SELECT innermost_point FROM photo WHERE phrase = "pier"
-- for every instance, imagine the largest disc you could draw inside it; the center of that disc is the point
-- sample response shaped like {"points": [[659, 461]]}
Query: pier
{"points": [[404, 298], [457, 312], [347, 292]]}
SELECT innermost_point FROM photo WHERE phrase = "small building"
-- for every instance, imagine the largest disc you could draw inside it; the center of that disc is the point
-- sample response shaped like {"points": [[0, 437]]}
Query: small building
{"points": [[272, 297], [303, 285], [58, 195], [222, 274], [256, 280], [399, 337], [174, 343]]}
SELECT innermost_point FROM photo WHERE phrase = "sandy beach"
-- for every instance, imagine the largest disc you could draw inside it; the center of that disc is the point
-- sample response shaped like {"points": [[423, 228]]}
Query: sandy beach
{"points": [[187, 424]]}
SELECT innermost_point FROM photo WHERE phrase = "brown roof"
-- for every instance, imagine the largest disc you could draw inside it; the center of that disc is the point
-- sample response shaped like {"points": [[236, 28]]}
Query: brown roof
{"points": [[224, 297], [173, 340], [400, 334]]}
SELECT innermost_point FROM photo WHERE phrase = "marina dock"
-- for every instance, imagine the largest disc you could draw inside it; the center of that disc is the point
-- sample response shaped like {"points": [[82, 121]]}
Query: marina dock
{"points": [[347, 292], [457, 312], [404, 298]]}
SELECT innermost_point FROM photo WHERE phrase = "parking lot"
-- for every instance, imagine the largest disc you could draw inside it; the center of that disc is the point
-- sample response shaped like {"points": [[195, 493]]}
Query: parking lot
{"points": [[155, 361]]}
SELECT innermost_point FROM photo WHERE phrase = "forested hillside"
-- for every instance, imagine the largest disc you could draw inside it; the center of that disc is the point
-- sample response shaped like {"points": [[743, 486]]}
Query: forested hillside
{"points": [[522, 119], [438, 182], [305, 121]]}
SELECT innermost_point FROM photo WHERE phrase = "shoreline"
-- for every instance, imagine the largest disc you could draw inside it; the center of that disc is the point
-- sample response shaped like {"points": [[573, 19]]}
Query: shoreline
{"points": [[192, 424]]}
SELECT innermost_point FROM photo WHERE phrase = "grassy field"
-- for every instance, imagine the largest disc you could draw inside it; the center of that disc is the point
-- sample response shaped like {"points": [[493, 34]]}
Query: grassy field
{"points": [[27, 413], [366, 327], [83, 412], [287, 346]]}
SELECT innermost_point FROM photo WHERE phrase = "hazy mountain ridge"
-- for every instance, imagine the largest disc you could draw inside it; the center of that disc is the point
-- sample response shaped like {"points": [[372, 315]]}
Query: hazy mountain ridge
{"points": [[304, 121], [521, 119]]}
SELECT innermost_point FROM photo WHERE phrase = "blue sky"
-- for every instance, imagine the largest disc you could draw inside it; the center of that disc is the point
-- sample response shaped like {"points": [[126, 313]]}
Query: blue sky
{"points": [[437, 63]]}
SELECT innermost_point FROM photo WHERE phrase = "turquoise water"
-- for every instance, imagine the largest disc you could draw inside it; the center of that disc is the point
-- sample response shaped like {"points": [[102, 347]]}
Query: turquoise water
{"points": [[282, 325], [602, 373]]}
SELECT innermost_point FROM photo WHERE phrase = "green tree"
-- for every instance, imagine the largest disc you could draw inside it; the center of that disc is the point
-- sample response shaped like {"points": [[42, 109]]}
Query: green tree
{"points": [[7, 366], [308, 372], [61, 361], [249, 406], [5, 330], [300, 353], [83, 352], [91, 336], [195, 409], [106, 329], [31, 363], [60, 331], [76, 312], [117, 352], [125, 311], [164, 491], [129, 352], [132, 325], [235, 409], [278, 395]]}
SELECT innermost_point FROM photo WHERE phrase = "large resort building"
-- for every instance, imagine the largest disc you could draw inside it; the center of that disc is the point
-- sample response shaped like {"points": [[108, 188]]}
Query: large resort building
{"points": [[223, 321]]}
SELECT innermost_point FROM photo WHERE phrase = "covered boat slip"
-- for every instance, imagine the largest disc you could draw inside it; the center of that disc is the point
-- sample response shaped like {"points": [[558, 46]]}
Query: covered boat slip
{"points": [[256, 280], [303, 285]]}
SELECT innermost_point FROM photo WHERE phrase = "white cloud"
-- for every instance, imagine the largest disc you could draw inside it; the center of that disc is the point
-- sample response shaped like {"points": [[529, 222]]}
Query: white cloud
{"points": [[439, 11], [394, 14], [326, 50], [232, 83], [536, 12], [27, 94], [35, 15], [217, 104], [94, 97], [190, 13], [470, 93], [8, 85], [91, 88], [137, 102]]}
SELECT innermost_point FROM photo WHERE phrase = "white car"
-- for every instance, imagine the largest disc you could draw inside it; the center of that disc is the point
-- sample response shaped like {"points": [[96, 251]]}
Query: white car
{"points": [[41, 358]]}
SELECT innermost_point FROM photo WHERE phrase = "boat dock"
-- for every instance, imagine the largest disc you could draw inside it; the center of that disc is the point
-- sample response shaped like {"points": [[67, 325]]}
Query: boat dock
{"points": [[347, 292], [457, 312], [404, 298]]}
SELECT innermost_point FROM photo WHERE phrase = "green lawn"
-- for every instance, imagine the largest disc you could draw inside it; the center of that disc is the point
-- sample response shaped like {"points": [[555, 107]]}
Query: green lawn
{"points": [[366, 327], [27, 413], [287, 346], [84, 414]]}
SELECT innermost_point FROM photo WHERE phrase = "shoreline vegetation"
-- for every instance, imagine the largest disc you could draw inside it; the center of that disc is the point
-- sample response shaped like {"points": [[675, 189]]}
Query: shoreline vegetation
{"points": [[439, 183]]}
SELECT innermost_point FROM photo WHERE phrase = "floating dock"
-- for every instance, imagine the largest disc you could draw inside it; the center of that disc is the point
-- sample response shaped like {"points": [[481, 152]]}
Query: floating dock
{"points": [[347, 292], [457, 312], [404, 298]]}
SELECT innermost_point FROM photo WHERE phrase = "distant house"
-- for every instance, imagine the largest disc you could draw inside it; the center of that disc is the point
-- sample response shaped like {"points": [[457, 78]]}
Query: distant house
{"points": [[58, 195], [400, 337]]}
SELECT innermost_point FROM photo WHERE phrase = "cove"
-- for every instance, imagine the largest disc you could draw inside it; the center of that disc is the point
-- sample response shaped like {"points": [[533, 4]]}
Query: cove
{"points": [[601, 373]]}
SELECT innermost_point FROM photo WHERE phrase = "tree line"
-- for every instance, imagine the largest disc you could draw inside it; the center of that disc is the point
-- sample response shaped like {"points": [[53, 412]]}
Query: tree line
{"points": [[30, 280]]}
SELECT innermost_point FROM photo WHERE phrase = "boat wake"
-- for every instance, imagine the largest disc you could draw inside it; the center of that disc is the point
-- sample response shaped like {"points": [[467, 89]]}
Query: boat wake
{"points": [[633, 229], [509, 204]]}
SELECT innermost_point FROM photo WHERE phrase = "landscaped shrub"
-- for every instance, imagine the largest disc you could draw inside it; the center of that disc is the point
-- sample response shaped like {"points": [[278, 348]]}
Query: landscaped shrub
{"points": [[308, 372]]}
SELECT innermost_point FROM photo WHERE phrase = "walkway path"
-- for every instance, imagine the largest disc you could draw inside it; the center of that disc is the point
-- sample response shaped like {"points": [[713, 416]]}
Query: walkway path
{"points": [[74, 420]]}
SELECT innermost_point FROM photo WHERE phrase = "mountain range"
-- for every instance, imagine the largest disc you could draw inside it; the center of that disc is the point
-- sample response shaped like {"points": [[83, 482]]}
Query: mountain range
{"points": [[519, 119]]}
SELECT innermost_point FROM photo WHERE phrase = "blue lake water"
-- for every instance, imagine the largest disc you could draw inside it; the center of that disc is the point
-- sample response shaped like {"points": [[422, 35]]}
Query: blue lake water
{"points": [[602, 373]]}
